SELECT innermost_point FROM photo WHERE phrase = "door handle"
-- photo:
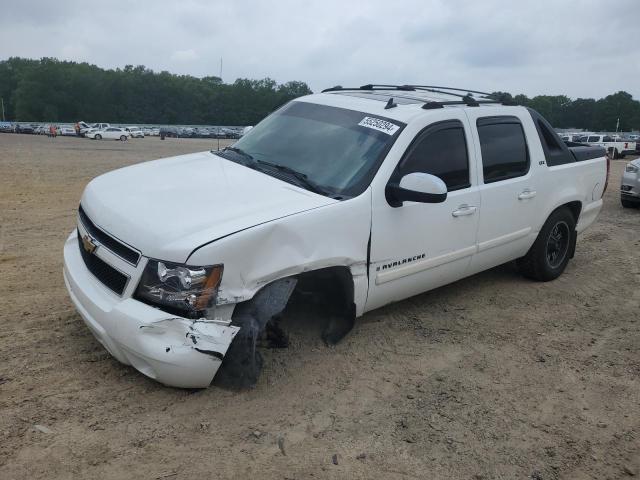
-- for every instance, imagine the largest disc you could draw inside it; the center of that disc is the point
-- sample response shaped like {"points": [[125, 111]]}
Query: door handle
{"points": [[526, 194], [463, 210]]}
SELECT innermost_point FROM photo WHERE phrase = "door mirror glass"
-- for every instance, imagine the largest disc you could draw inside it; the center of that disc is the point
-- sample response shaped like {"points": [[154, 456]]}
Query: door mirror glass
{"points": [[416, 187]]}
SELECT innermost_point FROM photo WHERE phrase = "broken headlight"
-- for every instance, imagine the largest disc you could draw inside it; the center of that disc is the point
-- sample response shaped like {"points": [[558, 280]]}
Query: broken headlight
{"points": [[184, 290]]}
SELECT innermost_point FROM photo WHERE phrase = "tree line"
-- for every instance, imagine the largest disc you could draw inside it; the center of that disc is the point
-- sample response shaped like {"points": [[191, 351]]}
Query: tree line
{"points": [[583, 113], [63, 91], [50, 90]]}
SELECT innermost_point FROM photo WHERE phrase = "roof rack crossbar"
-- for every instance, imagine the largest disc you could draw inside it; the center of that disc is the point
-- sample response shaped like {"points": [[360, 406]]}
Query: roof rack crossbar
{"points": [[451, 88], [469, 101], [370, 87], [410, 88]]}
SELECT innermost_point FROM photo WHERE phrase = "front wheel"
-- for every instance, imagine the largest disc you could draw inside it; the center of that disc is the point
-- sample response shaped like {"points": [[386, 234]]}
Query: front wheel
{"points": [[550, 253], [123, 138], [627, 203], [98, 137]]}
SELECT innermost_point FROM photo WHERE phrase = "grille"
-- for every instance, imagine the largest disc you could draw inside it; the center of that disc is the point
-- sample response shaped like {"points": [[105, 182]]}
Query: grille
{"points": [[104, 272], [116, 246]]}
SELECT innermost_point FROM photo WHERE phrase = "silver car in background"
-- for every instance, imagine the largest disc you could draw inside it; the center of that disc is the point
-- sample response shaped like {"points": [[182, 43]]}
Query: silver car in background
{"points": [[630, 187]]}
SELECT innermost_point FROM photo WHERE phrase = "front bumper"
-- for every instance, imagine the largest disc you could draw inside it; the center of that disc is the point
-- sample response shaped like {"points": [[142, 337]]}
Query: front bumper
{"points": [[175, 351]]}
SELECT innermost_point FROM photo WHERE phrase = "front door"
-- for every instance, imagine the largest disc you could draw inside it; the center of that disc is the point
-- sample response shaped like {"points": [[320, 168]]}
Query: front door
{"points": [[419, 246]]}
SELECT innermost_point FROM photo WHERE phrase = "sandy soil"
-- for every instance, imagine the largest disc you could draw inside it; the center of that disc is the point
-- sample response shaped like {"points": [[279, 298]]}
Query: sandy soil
{"points": [[492, 377]]}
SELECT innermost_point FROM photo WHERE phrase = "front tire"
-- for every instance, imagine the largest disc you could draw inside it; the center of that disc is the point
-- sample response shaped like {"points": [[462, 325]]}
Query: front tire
{"points": [[550, 253], [627, 203], [98, 137], [123, 138]]}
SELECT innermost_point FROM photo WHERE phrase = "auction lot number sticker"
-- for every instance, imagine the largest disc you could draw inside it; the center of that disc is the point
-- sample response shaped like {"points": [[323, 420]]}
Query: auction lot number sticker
{"points": [[380, 125]]}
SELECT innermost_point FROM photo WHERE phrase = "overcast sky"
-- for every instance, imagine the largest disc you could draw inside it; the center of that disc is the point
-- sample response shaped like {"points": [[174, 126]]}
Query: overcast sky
{"points": [[586, 48]]}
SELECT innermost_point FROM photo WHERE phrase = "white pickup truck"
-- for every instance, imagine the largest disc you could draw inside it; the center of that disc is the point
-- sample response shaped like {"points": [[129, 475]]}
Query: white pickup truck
{"points": [[355, 198], [616, 147]]}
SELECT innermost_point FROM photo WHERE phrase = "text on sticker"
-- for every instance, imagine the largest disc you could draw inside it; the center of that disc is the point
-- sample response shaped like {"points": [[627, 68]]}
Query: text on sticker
{"points": [[380, 125]]}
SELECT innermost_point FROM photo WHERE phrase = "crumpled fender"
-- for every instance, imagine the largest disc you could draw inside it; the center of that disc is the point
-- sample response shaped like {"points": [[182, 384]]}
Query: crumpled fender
{"points": [[327, 236]]}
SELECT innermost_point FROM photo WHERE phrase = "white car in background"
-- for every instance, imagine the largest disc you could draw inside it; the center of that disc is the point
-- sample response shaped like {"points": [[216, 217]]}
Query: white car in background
{"points": [[66, 131], [110, 133], [136, 132]]}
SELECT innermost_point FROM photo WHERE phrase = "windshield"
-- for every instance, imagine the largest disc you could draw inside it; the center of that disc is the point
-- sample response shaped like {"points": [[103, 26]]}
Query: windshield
{"points": [[334, 149]]}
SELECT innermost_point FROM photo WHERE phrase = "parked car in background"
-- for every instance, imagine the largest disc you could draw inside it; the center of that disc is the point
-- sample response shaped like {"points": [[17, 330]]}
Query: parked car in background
{"points": [[630, 185], [25, 128], [67, 131], [136, 132], [346, 196], [110, 133], [42, 130], [570, 137], [615, 148], [6, 127], [168, 132]]}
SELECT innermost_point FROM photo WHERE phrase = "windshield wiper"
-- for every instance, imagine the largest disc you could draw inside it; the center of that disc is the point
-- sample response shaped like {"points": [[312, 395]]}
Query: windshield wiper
{"points": [[240, 152], [299, 176]]}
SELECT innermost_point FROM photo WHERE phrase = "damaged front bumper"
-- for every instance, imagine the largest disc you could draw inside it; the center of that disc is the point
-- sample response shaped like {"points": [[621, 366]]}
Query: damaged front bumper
{"points": [[175, 351]]}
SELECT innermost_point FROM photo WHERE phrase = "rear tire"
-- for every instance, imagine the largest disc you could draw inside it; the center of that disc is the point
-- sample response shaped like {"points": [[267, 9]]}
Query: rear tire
{"points": [[98, 137], [548, 256], [123, 138]]}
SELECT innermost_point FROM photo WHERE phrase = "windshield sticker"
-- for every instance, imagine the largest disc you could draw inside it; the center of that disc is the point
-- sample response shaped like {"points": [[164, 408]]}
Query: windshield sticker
{"points": [[380, 125]]}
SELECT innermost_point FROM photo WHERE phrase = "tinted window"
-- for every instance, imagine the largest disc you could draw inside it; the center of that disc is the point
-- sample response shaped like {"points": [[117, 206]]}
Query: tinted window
{"points": [[593, 139], [607, 139], [442, 153], [504, 149]]}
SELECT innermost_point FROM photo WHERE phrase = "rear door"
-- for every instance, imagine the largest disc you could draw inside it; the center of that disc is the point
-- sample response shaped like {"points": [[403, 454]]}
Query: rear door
{"points": [[419, 246], [508, 187]]}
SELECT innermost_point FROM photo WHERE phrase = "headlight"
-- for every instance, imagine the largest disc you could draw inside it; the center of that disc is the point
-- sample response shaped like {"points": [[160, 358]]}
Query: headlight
{"points": [[631, 168], [181, 289]]}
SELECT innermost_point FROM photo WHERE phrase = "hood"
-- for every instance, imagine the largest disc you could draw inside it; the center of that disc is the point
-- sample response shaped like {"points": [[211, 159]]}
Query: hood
{"points": [[167, 208]]}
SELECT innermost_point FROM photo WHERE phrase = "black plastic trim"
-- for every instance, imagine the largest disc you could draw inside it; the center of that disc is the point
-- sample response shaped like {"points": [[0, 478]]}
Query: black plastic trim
{"points": [[546, 133], [109, 276], [119, 248]]}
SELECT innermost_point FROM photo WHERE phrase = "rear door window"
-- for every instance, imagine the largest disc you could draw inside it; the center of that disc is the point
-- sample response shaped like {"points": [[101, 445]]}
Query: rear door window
{"points": [[504, 148]]}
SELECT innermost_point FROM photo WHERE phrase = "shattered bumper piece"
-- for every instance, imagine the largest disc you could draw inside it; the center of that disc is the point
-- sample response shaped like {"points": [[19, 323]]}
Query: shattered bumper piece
{"points": [[175, 351]]}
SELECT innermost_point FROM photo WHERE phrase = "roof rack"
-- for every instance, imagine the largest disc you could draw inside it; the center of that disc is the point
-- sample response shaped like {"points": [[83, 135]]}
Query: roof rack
{"points": [[468, 99]]}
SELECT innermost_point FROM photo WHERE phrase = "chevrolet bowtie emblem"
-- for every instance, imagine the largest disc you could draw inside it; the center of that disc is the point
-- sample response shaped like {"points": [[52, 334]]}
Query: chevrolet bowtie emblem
{"points": [[88, 244]]}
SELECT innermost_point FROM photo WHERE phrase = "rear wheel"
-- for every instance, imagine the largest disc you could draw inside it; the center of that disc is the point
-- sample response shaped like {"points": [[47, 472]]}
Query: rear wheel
{"points": [[123, 138], [98, 137], [550, 253]]}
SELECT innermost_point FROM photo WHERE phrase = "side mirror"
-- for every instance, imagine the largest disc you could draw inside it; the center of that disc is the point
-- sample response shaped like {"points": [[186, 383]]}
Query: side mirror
{"points": [[416, 187]]}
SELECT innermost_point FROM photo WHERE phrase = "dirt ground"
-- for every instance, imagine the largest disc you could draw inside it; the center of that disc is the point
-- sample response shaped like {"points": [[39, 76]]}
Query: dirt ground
{"points": [[492, 377]]}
